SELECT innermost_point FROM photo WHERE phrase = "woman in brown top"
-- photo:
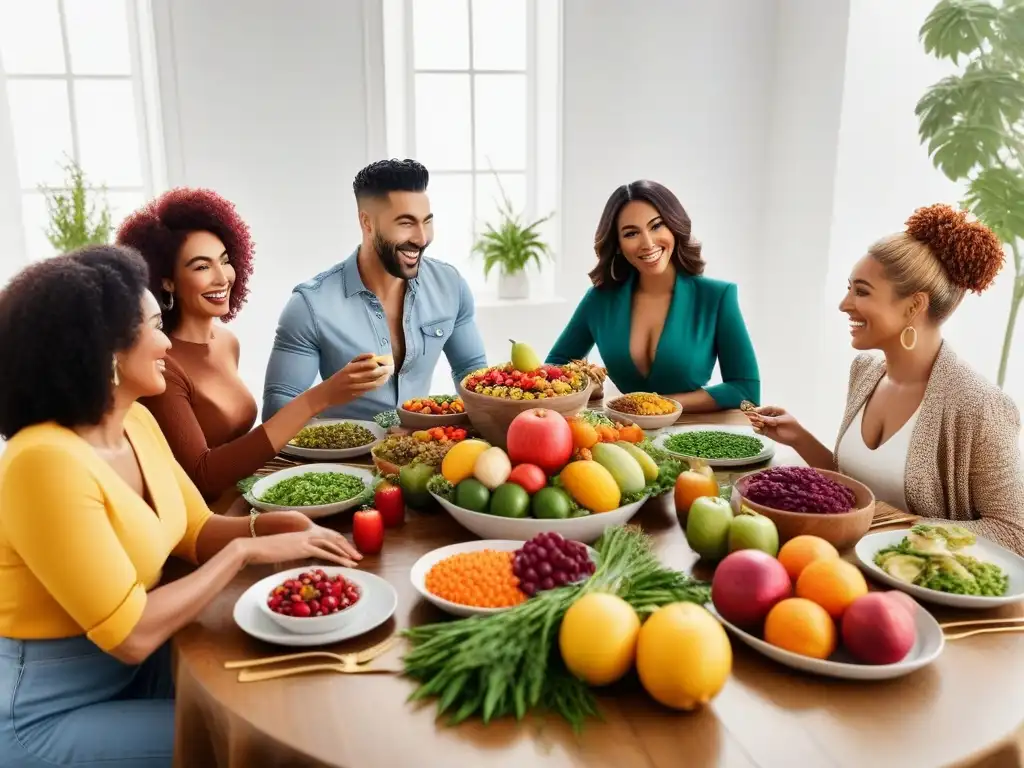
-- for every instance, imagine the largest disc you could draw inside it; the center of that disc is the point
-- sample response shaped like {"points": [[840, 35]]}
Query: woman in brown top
{"points": [[199, 254], [921, 427]]}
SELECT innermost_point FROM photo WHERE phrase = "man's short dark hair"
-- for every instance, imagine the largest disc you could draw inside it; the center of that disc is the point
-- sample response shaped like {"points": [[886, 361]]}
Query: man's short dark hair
{"points": [[61, 321], [385, 176]]}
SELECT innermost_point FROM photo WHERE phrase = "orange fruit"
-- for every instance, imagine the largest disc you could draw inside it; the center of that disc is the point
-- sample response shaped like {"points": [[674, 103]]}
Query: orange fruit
{"points": [[801, 626], [833, 584], [800, 551]]}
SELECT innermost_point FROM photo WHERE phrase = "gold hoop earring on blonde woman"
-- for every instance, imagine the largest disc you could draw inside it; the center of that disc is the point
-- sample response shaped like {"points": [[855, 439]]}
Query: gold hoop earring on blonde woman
{"points": [[913, 339]]}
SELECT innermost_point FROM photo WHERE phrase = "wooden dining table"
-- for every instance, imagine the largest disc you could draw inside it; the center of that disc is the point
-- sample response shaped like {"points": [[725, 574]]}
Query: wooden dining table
{"points": [[965, 709]]}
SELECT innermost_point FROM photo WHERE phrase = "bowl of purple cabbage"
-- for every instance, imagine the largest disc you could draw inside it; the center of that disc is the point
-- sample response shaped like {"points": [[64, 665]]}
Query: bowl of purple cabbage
{"points": [[806, 501]]}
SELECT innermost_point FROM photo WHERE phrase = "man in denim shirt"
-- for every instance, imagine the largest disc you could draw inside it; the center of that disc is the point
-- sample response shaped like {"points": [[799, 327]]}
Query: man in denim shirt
{"points": [[387, 298]]}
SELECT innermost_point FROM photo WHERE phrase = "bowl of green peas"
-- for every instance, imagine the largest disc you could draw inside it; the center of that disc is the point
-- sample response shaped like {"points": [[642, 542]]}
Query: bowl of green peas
{"points": [[720, 445]]}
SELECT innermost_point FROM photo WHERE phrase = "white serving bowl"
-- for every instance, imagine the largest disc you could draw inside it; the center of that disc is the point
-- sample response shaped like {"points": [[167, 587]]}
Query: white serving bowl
{"points": [[319, 510], [418, 574], [767, 451], [582, 529], [314, 625], [337, 454], [645, 422]]}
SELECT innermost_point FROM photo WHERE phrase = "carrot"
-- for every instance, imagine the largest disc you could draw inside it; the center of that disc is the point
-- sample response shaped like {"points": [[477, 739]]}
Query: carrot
{"points": [[481, 579]]}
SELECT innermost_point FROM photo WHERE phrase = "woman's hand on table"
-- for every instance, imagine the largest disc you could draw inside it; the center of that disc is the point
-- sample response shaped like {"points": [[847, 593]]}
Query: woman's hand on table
{"points": [[315, 541], [776, 424]]}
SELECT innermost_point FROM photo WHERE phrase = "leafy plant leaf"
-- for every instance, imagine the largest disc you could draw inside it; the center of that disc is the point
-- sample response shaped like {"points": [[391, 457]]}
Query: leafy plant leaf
{"points": [[996, 197], [958, 27], [75, 219], [510, 244], [957, 150]]}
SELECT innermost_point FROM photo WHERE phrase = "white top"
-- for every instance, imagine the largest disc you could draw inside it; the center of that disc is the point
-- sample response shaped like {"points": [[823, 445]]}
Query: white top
{"points": [[882, 469]]}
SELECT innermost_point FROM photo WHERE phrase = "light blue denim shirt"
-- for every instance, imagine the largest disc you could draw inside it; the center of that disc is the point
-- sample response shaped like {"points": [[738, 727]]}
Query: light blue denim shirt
{"points": [[334, 317]]}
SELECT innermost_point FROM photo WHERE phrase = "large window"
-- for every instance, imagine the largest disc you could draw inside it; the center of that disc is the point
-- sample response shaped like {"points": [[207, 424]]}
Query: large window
{"points": [[473, 94], [74, 72]]}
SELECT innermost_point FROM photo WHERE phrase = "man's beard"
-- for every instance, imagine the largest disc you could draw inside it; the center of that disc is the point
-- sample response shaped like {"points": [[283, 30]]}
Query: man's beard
{"points": [[387, 252]]}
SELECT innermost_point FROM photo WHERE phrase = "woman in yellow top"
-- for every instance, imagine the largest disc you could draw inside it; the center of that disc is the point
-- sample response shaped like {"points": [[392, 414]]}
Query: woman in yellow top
{"points": [[92, 503]]}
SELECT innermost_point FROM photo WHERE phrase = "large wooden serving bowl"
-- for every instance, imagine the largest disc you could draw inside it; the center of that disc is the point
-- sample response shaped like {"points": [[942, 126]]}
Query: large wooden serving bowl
{"points": [[490, 416], [842, 530]]}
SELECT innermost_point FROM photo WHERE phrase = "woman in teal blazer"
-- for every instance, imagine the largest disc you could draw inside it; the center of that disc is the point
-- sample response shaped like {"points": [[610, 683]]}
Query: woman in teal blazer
{"points": [[658, 323]]}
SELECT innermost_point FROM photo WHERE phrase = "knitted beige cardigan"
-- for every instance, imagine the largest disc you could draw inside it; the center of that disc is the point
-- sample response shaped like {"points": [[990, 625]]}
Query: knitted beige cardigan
{"points": [[964, 460]]}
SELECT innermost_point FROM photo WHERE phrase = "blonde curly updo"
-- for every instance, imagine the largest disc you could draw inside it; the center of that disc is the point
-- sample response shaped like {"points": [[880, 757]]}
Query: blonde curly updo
{"points": [[943, 254]]}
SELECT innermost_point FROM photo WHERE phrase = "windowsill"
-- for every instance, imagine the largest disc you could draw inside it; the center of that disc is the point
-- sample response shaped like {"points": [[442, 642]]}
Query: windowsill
{"points": [[493, 302]]}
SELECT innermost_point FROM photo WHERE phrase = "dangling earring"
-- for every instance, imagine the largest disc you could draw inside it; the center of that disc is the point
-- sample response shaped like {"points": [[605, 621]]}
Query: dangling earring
{"points": [[117, 378], [170, 302], [612, 270], [903, 338]]}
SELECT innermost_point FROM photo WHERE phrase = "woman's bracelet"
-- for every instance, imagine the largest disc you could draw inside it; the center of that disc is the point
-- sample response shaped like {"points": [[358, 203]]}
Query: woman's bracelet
{"points": [[253, 514]]}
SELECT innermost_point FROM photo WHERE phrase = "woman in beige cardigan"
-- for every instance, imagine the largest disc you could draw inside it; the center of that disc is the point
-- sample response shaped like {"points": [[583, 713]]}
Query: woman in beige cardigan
{"points": [[922, 429]]}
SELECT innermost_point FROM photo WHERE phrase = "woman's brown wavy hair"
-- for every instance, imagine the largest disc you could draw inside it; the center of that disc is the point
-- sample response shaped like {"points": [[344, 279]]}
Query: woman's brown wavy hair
{"points": [[612, 269]]}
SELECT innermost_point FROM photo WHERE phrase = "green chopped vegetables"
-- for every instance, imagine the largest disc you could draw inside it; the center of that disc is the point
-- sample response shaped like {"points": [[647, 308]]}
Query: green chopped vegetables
{"points": [[313, 489], [926, 557], [387, 419], [508, 663], [713, 444], [333, 437], [595, 419]]}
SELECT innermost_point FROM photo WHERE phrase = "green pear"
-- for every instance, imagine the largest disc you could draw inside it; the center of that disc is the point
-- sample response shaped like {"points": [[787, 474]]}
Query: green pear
{"points": [[749, 530], [523, 357]]}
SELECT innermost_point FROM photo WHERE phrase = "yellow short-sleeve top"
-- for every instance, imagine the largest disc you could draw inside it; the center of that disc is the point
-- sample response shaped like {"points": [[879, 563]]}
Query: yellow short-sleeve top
{"points": [[78, 547]]}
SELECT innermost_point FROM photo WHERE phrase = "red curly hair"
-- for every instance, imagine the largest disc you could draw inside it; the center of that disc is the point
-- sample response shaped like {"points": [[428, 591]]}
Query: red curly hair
{"points": [[159, 228]]}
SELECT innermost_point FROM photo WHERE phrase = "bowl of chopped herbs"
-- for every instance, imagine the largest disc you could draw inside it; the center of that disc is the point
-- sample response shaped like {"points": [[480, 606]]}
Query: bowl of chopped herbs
{"points": [[334, 439], [316, 490], [720, 445]]}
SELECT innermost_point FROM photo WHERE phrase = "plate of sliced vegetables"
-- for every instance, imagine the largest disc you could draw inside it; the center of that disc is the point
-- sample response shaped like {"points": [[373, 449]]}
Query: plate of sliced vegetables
{"points": [[944, 564]]}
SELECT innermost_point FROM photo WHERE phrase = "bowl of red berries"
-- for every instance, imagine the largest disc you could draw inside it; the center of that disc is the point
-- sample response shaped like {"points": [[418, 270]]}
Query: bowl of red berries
{"points": [[311, 601]]}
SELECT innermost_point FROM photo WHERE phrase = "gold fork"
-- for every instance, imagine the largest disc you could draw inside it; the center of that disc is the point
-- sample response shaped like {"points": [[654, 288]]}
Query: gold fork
{"points": [[349, 663], [983, 627], [880, 522], [367, 654]]}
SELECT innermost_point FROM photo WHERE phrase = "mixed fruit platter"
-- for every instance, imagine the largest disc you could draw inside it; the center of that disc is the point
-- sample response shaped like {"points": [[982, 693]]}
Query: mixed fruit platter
{"points": [[930, 556], [435, 405], [543, 472], [313, 594], [623, 612], [526, 377], [812, 603]]}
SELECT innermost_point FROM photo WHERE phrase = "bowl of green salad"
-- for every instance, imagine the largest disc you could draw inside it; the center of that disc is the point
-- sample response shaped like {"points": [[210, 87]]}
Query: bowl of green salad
{"points": [[945, 564], [316, 490]]}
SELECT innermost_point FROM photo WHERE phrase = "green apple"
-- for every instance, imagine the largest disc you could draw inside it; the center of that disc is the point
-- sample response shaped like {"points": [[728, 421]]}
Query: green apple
{"points": [[749, 530], [707, 527]]}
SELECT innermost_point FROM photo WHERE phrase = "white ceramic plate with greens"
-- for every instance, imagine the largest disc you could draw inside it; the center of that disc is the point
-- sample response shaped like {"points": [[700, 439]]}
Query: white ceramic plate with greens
{"points": [[337, 454], [311, 490], [767, 450]]}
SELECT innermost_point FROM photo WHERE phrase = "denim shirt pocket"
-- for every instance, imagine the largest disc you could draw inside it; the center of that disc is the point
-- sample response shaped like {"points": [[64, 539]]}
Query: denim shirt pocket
{"points": [[435, 335]]}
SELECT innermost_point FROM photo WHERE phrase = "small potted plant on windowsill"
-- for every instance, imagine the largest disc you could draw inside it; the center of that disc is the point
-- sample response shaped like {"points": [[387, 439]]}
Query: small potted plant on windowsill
{"points": [[511, 246], [74, 219]]}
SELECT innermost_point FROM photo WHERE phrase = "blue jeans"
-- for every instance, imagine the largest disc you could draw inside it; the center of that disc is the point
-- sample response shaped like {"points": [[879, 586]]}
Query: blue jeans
{"points": [[67, 703]]}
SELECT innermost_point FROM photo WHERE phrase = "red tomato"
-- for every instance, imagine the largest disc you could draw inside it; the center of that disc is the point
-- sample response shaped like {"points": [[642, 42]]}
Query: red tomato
{"points": [[528, 476], [390, 503], [368, 531]]}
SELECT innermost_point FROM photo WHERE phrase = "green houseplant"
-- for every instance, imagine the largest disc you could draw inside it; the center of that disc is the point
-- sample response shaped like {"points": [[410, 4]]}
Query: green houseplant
{"points": [[973, 121], [511, 245], [78, 212]]}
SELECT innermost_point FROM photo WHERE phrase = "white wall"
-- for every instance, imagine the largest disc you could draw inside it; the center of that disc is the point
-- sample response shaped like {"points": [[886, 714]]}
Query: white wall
{"points": [[12, 238], [266, 102]]}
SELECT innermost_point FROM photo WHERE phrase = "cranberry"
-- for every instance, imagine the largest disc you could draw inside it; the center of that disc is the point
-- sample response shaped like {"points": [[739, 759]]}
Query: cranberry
{"points": [[301, 609], [314, 605], [329, 602]]}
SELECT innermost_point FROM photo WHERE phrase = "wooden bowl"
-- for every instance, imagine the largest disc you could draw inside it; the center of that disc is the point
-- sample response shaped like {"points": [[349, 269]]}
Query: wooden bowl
{"points": [[490, 416], [842, 530], [414, 421]]}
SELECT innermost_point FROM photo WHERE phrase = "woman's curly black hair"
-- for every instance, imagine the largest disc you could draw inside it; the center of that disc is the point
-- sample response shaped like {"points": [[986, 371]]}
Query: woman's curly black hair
{"points": [[158, 229], [61, 322]]}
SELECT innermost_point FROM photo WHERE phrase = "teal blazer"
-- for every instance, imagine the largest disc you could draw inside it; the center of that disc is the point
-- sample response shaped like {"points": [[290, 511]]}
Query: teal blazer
{"points": [[704, 324]]}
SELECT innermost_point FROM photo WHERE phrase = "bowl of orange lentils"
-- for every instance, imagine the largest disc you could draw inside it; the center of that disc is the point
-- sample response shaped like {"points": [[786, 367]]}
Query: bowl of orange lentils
{"points": [[478, 577], [433, 411]]}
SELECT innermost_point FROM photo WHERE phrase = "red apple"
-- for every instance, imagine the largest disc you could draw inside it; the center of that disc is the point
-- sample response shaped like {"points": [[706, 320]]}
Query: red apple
{"points": [[878, 630], [747, 584], [528, 476], [903, 599], [540, 436]]}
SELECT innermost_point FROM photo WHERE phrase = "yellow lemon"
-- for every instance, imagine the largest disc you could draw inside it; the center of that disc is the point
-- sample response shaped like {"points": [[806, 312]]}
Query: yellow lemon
{"points": [[683, 656], [597, 638], [460, 460]]}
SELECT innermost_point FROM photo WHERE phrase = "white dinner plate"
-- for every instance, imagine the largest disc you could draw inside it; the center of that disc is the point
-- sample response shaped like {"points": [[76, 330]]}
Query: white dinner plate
{"points": [[767, 452], [336, 454], [982, 549], [381, 601], [418, 574], [929, 644], [315, 511]]}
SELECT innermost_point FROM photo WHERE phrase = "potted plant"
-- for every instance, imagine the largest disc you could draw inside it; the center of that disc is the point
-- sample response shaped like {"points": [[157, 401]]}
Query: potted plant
{"points": [[76, 219], [511, 245], [973, 122]]}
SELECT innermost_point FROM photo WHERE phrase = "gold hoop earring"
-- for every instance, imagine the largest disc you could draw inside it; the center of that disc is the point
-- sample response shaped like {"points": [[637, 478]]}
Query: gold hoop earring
{"points": [[903, 338], [117, 378], [170, 302], [612, 270]]}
